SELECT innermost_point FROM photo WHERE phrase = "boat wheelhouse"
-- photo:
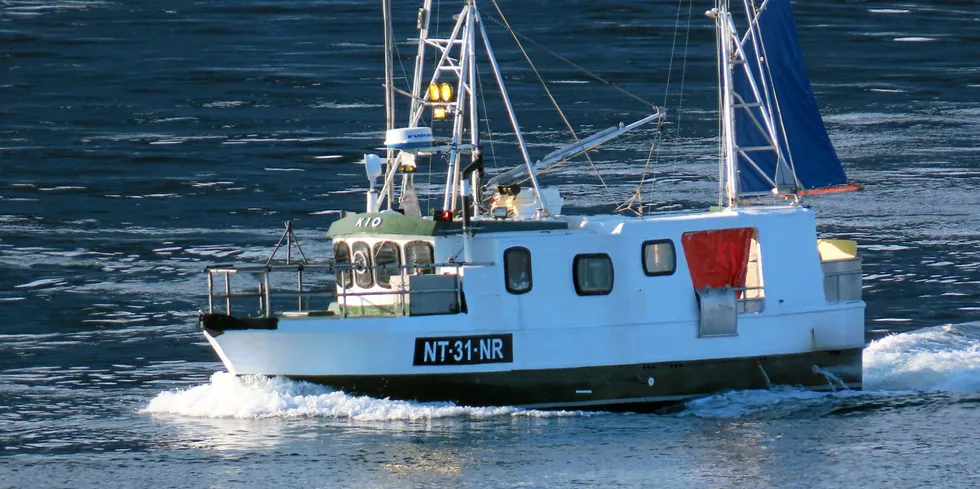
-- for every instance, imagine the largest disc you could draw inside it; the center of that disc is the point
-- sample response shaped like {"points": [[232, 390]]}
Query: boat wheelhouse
{"points": [[503, 300]]}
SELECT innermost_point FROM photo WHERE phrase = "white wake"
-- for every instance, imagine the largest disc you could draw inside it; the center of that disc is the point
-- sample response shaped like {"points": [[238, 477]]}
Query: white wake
{"points": [[248, 397], [937, 359], [941, 358]]}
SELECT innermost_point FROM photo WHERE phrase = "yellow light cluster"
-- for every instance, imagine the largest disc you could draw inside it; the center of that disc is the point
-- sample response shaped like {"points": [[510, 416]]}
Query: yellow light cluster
{"points": [[440, 92]]}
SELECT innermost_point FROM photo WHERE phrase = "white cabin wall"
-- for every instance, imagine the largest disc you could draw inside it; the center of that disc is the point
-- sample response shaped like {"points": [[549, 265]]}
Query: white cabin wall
{"points": [[791, 269], [553, 301], [448, 248], [663, 298], [483, 285]]}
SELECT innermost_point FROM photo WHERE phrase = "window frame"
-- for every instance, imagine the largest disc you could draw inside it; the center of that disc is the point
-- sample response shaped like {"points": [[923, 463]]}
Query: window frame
{"points": [[530, 270], [418, 268], [346, 275], [386, 268], [367, 270], [575, 269], [643, 257]]}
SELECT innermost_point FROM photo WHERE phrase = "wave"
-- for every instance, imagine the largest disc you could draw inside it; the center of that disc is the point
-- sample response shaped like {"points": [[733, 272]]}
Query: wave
{"points": [[942, 358]]}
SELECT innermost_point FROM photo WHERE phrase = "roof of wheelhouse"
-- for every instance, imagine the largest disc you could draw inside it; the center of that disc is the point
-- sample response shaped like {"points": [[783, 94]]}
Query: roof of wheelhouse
{"points": [[393, 223]]}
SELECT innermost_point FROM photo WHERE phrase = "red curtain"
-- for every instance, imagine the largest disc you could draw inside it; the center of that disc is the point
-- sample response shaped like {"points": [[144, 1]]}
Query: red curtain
{"points": [[718, 258]]}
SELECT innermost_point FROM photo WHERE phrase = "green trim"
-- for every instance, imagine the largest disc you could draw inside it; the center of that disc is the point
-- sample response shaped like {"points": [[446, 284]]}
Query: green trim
{"points": [[388, 223], [391, 223]]}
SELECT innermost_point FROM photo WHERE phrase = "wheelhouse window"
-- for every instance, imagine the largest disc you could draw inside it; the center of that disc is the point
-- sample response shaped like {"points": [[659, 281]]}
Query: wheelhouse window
{"points": [[341, 256], [593, 274], [362, 265], [659, 257], [387, 260], [419, 253], [517, 270]]}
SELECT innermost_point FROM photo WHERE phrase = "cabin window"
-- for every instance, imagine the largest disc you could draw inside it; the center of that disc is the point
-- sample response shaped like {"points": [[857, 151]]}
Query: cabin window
{"points": [[419, 253], [593, 274], [387, 262], [341, 256], [659, 257], [517, 270], [362, 265]]}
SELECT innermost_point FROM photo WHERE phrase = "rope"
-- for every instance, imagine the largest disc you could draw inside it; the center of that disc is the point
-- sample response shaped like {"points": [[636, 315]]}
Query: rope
{"points": [[552, 98]]}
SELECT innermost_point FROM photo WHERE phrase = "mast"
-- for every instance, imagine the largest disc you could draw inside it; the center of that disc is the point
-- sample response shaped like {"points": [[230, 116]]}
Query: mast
{"points": [[455, 100], [513, 119], [723, 24], [389, 96], [457, 56], [753, 141], [462, 87]]}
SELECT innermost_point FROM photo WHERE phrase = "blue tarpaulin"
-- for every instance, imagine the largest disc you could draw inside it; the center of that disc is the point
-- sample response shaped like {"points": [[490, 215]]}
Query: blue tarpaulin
{"points": [[813, 156]]}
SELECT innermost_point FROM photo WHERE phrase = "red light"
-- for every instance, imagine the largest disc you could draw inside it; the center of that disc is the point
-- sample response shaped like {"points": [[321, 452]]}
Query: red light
{"points": [[447, 215]]}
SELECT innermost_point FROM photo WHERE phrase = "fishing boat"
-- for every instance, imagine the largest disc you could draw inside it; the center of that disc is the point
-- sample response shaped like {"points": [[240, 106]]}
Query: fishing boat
{"points": [[501, 299]]}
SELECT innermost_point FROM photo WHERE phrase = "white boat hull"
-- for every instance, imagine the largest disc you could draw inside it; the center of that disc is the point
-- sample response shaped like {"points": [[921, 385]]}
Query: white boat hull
{"points": [[557, 367]]}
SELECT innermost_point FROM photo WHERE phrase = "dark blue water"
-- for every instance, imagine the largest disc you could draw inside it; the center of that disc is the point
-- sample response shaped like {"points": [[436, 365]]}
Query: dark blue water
{"points": [[140, 141]]}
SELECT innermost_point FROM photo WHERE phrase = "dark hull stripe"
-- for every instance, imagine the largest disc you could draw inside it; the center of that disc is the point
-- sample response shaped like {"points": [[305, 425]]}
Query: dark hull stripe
{"points": [[639, 387], [653, 402]]}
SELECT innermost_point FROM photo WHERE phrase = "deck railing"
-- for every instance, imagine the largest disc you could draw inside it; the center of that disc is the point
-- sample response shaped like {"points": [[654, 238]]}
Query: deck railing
{"points": [[326, 290], [842, 281]]}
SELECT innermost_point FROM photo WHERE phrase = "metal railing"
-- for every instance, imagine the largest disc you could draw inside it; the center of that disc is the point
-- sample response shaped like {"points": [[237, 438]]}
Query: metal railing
{"points": [[266, 294], [842, 280], [744, 303]]}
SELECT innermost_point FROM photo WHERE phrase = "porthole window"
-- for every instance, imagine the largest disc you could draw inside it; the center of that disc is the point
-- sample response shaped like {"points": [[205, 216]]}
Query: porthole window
{"points": [[362, 265], [341, 256], [419, 253], [593, 274], [659, 257], [387, 262], [517, 270]]}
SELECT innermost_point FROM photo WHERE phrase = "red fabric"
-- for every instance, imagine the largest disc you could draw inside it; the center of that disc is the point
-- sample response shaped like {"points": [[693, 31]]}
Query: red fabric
{"points": [[718, 258]]}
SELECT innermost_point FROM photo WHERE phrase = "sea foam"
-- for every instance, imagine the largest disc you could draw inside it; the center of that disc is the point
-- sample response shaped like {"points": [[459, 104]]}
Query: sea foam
{"points": [[940, 358], [937, 359], [249, 397]]}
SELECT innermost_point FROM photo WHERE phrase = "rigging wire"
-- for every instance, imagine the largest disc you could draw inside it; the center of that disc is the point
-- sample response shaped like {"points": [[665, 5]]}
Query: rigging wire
{"points": [[637, 197], [551, 97], [573, 64], [486, 116], [435, 64]]}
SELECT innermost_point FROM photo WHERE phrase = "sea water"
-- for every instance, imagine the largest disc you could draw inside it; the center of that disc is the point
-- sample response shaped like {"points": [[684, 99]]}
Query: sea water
{"points": [[141, 141]]}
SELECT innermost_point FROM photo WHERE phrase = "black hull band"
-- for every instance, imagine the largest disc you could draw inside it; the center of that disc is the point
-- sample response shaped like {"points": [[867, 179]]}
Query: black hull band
{"points": [[215, 324], [639, 387]]}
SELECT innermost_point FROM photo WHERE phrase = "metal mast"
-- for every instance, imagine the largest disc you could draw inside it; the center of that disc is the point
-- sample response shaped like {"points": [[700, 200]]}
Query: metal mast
{"points": [[755, 103], [457, 56], [389, 95], [723, 25]]}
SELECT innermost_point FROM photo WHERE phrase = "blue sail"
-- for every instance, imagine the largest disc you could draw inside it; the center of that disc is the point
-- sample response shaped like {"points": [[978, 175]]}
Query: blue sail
{"points": [[813, 156]]}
